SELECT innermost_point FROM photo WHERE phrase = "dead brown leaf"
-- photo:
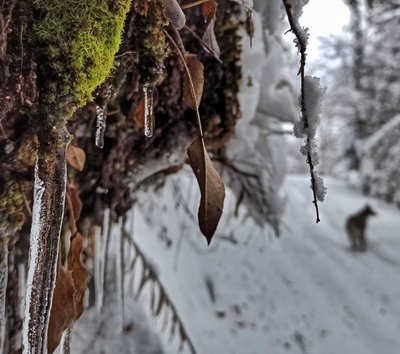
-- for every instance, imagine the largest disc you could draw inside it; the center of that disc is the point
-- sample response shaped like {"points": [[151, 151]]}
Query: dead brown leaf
{"points": [[76, 157], [67, 305], [196, 72], [209, 10], [138, 114], [211, 188], [63, 309], [78, 271], [76, 202], [173, 11]]}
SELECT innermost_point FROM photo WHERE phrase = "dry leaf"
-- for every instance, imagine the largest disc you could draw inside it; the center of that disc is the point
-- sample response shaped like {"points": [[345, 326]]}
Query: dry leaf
{"points": [[70, 287], [209, 9], [76, 203], [63, 309], [211, 188], [210, 40], [138, 114], [196, 70], [76, 157], [78, 271], [174, 12]]}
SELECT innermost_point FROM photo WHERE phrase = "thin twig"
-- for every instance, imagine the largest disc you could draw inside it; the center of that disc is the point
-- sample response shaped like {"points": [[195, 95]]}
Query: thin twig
{"points": [[302, 49]]}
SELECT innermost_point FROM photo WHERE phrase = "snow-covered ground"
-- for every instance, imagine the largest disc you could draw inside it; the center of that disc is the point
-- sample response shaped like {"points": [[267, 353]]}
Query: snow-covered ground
{"points": [[253, 293]]}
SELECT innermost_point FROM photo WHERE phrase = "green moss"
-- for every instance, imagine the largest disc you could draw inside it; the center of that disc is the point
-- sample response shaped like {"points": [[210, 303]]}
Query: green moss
{"points": [[11, 209], [75, 42]]}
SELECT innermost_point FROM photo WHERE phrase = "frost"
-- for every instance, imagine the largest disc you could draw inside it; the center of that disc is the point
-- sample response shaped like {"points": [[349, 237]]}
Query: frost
{"points": [[313, 94], [310, 99], [319, 187], [313, 97], [148, 92], [101, 122], [296, 7]]}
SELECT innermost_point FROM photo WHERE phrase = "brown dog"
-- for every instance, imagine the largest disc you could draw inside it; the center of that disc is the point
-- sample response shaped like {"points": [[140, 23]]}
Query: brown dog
{"points": [[355, 227]]}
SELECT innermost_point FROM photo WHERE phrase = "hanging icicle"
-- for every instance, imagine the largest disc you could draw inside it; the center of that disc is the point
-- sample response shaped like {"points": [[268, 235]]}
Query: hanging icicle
{"points": [[119, 269], [101, 122], [47, 217], [3, 288], [66, 342], [148, 92]]}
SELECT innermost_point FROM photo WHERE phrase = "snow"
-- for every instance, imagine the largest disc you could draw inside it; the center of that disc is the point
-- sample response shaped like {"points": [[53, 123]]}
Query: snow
{"points": [[380, 161], [304, 292], [313, 94], [297, 11]]}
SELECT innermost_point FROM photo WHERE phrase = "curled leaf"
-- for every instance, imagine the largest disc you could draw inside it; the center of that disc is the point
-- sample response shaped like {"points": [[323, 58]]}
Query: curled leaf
{"points": [[174, 12], [196, 72], [211, 188], [76, 157]]}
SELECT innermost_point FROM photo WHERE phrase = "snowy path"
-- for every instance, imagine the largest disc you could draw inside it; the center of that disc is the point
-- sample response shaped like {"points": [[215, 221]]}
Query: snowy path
{"points": [[302, 293]]}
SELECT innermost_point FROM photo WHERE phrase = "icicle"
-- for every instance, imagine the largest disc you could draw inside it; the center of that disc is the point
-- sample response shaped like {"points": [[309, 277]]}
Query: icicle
{"points": [[66, 341], [97, 269], [119, 272], [100, 259], [21, 287], [47, 217], [3, 288], [148, 92], [101, 121]]}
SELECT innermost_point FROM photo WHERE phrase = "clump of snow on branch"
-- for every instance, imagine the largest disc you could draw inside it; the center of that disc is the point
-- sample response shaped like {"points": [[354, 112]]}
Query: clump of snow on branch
{"points": [[297, 10], [307, 125], [313, 94], [310, 100]]}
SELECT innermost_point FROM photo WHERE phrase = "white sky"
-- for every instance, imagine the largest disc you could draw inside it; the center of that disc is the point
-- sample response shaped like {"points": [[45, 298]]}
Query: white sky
{"points": [[323, 18]]}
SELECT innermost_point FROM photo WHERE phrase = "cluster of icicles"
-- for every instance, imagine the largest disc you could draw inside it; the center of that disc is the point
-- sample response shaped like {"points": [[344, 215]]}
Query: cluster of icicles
{"points": [[148, 129]]}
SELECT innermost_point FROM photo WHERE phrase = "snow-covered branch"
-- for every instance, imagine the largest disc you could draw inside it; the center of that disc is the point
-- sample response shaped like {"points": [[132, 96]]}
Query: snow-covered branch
{"points": [[310, 101]]}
